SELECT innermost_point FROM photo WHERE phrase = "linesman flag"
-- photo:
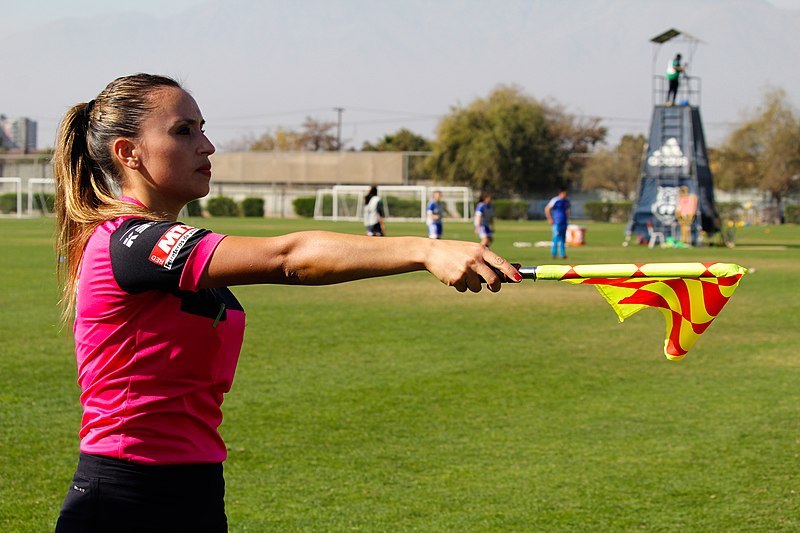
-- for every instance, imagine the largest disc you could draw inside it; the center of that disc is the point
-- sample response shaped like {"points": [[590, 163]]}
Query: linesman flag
{"points": [[689, 295]]}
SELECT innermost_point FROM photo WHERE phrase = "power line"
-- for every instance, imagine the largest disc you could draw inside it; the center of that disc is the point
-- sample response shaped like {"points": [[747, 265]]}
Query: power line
{"points": [[400, 118], [272, 114], [391, 111]]}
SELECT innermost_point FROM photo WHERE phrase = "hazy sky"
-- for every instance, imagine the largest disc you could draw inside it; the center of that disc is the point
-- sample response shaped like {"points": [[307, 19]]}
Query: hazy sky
{"points": [[389, 66], [28, 13]]}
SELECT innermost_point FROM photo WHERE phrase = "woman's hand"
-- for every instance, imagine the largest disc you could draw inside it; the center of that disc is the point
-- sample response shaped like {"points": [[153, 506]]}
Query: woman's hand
{"points": [[466, 266]]}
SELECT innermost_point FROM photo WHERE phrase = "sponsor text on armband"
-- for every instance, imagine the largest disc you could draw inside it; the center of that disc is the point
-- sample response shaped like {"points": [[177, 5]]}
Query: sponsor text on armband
{"points": [[169, 245]]}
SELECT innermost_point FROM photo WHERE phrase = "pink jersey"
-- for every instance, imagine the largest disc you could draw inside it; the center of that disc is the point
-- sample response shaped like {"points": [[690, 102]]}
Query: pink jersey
{"points": [[155, 354]]}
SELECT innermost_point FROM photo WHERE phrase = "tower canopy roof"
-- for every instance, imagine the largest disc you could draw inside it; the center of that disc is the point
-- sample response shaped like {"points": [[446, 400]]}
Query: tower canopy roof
{"points": [[672, 33]]}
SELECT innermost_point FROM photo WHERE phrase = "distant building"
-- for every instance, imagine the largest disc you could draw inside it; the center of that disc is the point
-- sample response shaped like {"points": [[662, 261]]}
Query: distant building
{"points": [[18, 135]]}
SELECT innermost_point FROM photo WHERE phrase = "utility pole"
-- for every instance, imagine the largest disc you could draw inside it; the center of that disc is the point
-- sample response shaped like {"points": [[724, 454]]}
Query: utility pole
{"points": [[339, 111]]}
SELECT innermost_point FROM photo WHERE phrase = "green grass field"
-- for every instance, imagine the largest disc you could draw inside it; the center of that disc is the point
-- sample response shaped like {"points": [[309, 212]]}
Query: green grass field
{"points": [[399, 404]]}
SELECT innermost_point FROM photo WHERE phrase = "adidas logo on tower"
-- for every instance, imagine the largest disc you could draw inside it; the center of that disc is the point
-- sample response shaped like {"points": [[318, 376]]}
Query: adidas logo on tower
{"points": [[669, 155]]}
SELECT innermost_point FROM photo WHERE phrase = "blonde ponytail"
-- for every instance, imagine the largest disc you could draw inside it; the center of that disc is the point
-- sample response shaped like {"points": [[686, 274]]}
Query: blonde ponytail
{"points": [[85, 170]]}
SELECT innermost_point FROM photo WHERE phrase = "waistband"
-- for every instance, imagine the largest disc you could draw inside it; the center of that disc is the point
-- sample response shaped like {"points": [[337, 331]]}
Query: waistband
{"points": [[104, 467]]}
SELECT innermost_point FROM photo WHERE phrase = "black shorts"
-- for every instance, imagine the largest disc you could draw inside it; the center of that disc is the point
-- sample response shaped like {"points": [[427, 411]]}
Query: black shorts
{"points": [[109, 494]]}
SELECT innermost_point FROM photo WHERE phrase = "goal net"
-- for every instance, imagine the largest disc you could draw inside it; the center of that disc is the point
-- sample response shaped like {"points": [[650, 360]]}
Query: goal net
{"points": [[41, 196]]}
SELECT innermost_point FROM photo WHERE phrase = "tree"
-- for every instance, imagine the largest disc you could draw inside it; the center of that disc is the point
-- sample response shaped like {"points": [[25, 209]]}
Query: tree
{"points": [[239, 144], [616, 170], [764, 152], [317, 135], [287, 140], [578, 136], [509, 142], [283, 140], [403, 140], [265, 143]]}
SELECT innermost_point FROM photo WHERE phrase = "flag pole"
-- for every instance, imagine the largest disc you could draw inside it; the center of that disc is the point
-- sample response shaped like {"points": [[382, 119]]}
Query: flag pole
{"points": [[629, 270]]}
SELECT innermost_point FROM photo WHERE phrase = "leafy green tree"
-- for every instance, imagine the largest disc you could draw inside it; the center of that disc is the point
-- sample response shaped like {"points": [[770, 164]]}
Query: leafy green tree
{"points": [[403, 140], [764, 151], [508, 142], [617, 170]]}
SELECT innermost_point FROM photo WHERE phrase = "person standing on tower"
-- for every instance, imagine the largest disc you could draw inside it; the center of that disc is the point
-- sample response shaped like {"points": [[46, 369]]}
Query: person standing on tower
{"points": [[674, 69]]}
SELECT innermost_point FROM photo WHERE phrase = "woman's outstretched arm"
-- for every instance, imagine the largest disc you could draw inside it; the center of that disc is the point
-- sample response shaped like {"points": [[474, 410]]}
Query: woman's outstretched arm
{"points": [[321, 258]]}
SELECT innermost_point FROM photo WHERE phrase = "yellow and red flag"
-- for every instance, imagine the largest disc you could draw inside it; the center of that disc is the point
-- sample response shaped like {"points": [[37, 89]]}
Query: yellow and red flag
{"points": [[689, 295]]}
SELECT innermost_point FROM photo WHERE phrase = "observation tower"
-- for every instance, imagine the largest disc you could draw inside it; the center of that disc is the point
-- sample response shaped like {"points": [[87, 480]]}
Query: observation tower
{"points": [[676, 191]]}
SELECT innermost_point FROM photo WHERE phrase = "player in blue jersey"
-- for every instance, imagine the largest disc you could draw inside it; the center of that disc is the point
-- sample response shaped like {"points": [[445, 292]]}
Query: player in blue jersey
{"points": [[557, 213], [484, 220], [435, 215]]}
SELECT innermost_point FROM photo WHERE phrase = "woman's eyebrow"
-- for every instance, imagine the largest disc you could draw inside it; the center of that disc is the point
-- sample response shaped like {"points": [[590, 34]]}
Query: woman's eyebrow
{"points": [[190, 121]]}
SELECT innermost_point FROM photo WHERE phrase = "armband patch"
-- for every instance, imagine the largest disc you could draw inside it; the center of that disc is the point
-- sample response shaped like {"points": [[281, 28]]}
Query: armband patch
{"points": [[132, 234], [169, 245]]}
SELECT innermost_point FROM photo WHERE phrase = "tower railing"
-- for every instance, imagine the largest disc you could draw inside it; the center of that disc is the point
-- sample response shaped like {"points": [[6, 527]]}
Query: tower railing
{"points": [[688, 91]]}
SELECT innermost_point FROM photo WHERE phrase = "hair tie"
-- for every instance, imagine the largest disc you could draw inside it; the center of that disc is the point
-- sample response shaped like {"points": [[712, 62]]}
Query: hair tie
{"points": [[87, 110]]}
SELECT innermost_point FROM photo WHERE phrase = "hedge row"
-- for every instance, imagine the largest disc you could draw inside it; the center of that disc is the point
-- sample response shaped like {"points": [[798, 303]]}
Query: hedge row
{"points": [[510, 209], [608, 211], [225, 206], [410, 208], [304, 206], [8, 202], [220, 206], [791, 214], [403, 207], [194, 209]]}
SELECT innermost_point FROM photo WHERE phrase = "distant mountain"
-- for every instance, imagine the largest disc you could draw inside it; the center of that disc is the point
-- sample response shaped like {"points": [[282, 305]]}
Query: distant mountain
{"points": [[256, 65]]}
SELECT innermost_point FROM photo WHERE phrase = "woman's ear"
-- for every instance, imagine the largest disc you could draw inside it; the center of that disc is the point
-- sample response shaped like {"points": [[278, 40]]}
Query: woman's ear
{"points": [[127, 153]]}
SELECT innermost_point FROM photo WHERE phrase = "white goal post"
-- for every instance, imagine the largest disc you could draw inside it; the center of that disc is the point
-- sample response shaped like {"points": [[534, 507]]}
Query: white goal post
{"points": [[35, 202], [400, 202], [40, 201]]}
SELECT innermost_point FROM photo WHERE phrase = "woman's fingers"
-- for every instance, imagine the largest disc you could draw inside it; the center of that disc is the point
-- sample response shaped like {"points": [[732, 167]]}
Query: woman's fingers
{"points": [[474, 281], [494, 264], [467, 266]]}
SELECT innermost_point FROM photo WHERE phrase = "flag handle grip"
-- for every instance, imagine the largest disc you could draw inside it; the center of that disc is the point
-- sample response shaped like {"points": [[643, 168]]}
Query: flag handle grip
{"points": [[527, 273]]}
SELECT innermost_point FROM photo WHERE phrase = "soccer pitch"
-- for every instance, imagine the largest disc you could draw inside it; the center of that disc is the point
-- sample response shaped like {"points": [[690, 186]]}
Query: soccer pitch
{"points": [[399, 404]]}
